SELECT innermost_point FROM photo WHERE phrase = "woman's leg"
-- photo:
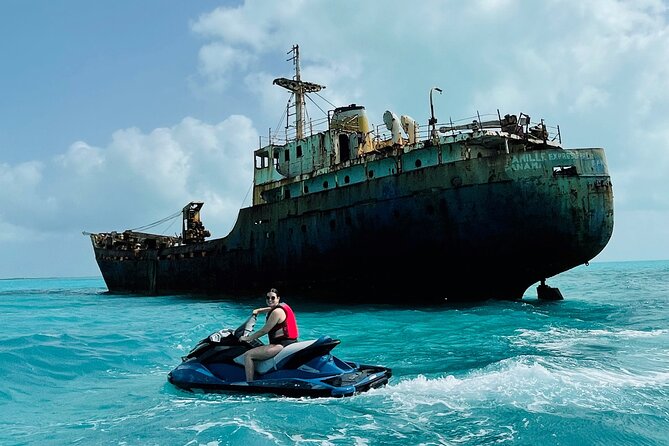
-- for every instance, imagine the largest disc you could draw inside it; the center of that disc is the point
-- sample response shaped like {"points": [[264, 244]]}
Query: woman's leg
{"points": [[259, 354]]}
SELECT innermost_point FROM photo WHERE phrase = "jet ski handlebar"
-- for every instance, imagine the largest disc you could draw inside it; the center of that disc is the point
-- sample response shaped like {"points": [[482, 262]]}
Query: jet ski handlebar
{"points": [[247, 327]]}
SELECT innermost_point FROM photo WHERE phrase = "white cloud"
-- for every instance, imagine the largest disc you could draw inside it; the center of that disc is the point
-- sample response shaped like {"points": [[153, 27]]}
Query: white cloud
{"points": [[154, 159], [138, 178], [549, 57], [232, 25], [82, 158], [218, 63], [255, 23], [22, 198], [16, 179]]}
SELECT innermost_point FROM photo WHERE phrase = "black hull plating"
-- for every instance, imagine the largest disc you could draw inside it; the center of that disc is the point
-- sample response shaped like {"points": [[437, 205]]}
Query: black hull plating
{"points": [[468, 230]]}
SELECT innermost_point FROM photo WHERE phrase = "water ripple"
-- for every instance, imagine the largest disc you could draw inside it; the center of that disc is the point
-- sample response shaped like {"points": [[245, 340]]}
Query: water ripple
{"points": [[78, 366]]}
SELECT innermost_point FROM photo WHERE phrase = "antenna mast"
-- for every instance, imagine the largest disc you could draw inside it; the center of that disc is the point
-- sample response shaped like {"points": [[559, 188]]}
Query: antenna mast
{"points": [[299, 89]]}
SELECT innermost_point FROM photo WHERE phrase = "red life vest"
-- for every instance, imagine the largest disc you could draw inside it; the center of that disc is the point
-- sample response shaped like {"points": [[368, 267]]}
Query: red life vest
{"points": [[286, 330]]}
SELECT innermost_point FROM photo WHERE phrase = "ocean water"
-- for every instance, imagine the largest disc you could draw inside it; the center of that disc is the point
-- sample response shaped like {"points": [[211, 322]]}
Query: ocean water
{"points": [[81, 366]]}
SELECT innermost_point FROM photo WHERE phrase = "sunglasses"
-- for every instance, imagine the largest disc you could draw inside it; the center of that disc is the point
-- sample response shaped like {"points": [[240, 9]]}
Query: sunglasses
{"points": [[271, 297]]}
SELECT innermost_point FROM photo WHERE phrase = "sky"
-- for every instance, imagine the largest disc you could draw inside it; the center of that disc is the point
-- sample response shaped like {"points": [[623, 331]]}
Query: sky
{"points": [[116, 114]]}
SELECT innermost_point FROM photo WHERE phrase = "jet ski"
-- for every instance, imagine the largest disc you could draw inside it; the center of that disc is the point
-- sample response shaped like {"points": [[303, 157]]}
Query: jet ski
{"points": [[301, 369]]}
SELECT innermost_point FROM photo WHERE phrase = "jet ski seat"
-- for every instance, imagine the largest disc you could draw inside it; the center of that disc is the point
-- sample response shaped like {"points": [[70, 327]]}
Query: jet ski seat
{"points": [[284, 356]]}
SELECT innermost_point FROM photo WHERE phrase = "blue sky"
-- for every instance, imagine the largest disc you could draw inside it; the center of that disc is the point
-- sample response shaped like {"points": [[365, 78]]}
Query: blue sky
{"points": [[116, 114]]}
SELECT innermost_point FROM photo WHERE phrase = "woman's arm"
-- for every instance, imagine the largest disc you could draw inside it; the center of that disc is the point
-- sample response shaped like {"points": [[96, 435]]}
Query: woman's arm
{"points": [[263, 310], [274, 319]]}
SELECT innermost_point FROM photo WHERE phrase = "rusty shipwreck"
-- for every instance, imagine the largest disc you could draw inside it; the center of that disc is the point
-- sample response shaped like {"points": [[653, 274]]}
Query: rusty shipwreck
{"points": [[461, 210]]}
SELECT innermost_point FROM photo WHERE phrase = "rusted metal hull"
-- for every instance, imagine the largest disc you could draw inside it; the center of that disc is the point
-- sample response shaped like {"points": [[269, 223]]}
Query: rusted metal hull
{"points": [[466, 230]]}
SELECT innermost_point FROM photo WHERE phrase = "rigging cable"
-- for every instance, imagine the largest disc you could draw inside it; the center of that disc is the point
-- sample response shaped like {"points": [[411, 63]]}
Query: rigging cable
{"points": [[283, 116], [313, 102], [156, 223], [316, 93]]}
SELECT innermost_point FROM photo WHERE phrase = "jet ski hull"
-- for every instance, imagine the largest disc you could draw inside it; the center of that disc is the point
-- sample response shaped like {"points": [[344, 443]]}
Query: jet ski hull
{"points": [[195, 377]]}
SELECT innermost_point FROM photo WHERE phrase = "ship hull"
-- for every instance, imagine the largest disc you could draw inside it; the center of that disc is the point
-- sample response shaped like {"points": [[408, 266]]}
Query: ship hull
{"points": [[467, 230]]}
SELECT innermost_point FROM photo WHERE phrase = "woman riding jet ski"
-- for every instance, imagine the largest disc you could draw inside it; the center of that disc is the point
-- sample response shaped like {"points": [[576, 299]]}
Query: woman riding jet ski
{"points": [[303, 368]]}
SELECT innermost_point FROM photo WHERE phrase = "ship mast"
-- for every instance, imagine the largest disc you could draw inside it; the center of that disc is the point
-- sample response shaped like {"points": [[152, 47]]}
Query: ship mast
{"points": [[299, 88]]}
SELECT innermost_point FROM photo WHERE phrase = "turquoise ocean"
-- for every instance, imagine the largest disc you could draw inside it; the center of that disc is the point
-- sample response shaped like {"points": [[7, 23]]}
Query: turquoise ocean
{"points": [[81, 366]]}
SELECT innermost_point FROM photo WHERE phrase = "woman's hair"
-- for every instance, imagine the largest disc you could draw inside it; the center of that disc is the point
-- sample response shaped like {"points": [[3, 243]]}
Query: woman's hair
{"points": [[275, 291]]}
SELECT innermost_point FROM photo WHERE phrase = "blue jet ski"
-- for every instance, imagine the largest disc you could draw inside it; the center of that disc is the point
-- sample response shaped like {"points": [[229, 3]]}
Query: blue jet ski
{"points": [[305, 368]]}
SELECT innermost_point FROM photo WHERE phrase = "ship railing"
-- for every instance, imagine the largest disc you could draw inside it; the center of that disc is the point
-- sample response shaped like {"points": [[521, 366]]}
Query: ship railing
{"points": [[520, 126], [289, 133]]}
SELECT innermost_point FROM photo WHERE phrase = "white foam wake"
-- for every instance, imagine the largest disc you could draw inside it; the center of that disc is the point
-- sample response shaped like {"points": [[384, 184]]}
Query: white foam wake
{"points": [[533, 383]]}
